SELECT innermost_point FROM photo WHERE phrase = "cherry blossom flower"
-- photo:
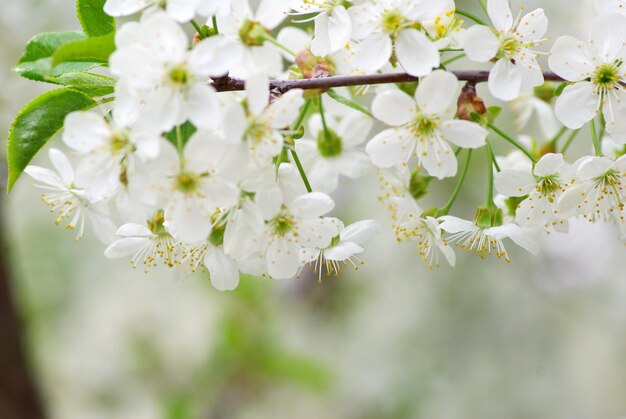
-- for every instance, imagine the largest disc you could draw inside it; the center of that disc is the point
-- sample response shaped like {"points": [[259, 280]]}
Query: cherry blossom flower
{"points": [[296, 224], [597, 74], [335, 152], [342, 250], [249, 29], [486, 241], [387, 28], [112, 151], [166, 80], [148, 245], [421, 128], [259, 129], [543, 186], [333, 25], [63, 195], [598, 191], [510, 42]]}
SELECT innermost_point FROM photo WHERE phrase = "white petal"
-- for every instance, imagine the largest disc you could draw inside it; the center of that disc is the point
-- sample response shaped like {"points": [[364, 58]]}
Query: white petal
{"points": [[85, 131], [608, 36], [284, 110], [391, 147], [514, 182], [456, 225], [500, 14], [505, 81], [464, 133], [314, 204], [571, 59], [125, 247], [577, 105], [134, 230], [215, 56], [361, 231], [436, 92], [62, 165], [480, 44], [257, 93], [416, 53], [343, 251], [222, 269], [393, 107], [282, 259], [549, 164], [370, 62], [533, 26], [202, 107]]}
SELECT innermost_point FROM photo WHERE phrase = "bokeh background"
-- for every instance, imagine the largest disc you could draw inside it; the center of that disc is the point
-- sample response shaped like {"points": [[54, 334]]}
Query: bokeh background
{"points": [[541, 337]]}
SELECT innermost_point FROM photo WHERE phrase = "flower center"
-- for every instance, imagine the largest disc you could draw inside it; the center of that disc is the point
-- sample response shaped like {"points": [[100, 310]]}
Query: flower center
{"points": [[155, 224], [187, 182], [509, 45], [607, 77], [120, 142], [283, 223], [179, 75], [393, 21], [252, 33], [548, 187], [329, 143], [424, 125]]}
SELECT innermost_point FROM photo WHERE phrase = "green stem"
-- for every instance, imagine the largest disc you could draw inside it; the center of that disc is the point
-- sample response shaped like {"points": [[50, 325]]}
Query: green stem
{"points": [[597, 145], [484, 6], [215, 27], [296, 159], [319, 101], [490, 157], [471, 17], [558, 136], [446, 209], [569, 140], [198, 29], [452, 59], [272, 40], [512, 141]]}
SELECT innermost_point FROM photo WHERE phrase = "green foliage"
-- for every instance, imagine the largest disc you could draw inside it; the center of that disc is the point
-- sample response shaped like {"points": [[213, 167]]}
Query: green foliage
{"points": [[349, 103], [36, 63], [185, 131], [93, 85], [37, 123], [93, 19], [95, 50]]}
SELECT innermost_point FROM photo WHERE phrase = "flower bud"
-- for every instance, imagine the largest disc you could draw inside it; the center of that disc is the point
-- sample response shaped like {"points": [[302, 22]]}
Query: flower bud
{"points": [[470, 104], [329, 143], [418, 186], [252, 33], [489, 216]]}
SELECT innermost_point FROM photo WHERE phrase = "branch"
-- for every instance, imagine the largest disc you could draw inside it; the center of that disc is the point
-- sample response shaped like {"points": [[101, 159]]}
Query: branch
{"points": [[228, 84]]}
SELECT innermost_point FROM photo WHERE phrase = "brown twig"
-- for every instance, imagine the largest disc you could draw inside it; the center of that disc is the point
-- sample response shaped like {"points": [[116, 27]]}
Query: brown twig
{"points": [[228, 84]]}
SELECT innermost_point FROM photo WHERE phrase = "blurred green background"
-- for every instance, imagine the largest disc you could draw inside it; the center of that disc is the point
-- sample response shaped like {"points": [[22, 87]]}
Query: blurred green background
{"points": [[542, 337]]}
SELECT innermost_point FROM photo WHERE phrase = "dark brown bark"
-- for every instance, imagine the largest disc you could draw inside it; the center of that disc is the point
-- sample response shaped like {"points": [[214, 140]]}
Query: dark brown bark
{"points": [[228, 84], [19, 398]]}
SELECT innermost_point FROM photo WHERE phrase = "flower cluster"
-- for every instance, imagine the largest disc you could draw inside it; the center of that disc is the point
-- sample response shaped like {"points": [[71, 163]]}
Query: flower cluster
{"points": [[198, 162]]}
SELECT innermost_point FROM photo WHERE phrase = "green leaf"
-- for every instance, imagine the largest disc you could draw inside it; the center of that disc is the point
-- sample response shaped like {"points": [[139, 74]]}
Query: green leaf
{"points": [[92, 50], [37, 123], [93, 19], [93, 85], [186, 130], [36, 62], [349, 103]]}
